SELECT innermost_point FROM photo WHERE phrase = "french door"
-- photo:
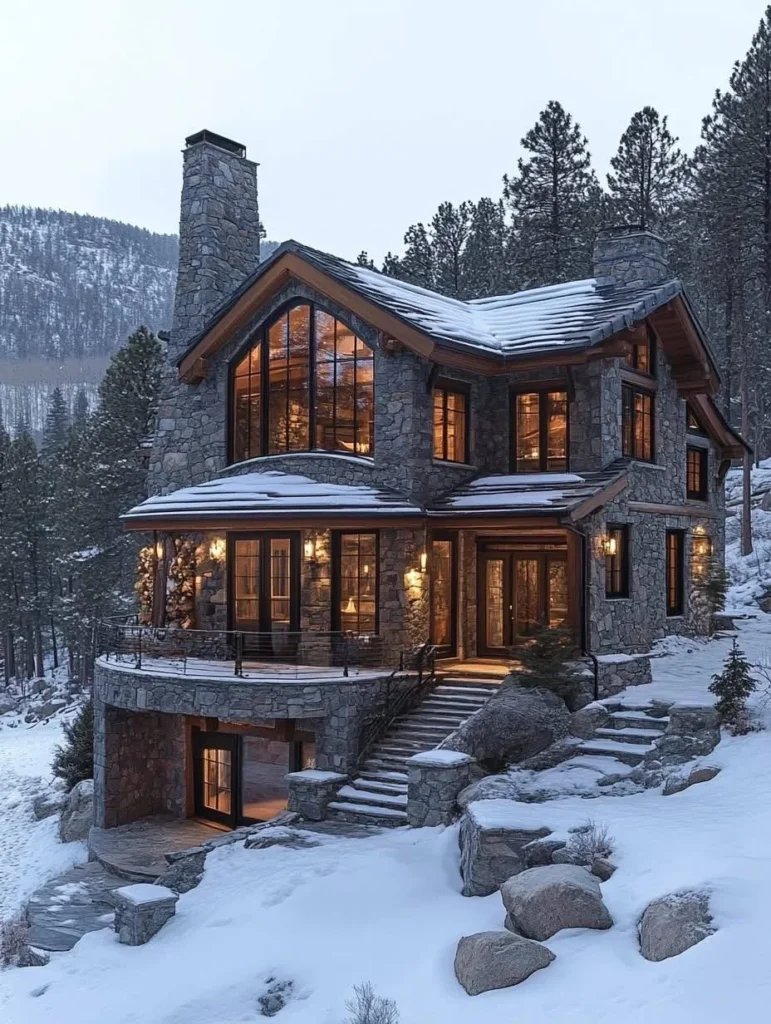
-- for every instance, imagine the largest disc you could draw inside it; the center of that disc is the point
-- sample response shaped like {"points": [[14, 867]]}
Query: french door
{"points": [[443, 593], [520, 591], [215, 776], [265, 591]]}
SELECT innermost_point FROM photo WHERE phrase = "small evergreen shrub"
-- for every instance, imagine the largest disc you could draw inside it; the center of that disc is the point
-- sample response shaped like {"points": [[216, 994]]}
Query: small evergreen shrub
{"points": [[732, 687], [547, 661], [367, 1008], [74, 760], [716, 587]]}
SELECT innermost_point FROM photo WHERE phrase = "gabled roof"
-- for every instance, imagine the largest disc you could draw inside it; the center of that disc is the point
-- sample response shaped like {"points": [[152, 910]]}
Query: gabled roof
{"points": [[565, 318], [572, 494], [270, 493]]}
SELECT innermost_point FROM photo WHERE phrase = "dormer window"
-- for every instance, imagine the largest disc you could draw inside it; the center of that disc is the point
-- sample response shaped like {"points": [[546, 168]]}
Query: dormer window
{"points": [[642, 357], [540, 432], [306, 382]]}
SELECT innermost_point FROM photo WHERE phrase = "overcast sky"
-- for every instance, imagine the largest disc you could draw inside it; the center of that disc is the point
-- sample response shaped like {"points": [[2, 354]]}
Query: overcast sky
{"points": [[363, 114]]}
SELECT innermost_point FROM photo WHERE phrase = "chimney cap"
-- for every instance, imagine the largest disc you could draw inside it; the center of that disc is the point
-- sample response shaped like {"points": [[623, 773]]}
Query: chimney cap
{"points": [[216, 140], [621, 230]]}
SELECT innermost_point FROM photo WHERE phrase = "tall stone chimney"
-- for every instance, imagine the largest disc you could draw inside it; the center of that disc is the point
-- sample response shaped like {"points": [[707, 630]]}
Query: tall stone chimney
{"points": [[219, 231], [630, 257]]}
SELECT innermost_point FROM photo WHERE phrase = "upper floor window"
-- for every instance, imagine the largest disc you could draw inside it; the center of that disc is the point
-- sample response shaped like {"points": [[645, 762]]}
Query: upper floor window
{"points": [[307, 382], [451, 422], [636, 423], [643, 355], [355, 582], [696, 473], [540, 429]]}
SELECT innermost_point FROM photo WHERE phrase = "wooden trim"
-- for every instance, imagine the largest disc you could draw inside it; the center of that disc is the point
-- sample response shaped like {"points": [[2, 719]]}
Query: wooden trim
{"points": [[672, 510], [485, 521], [595, 501], [731, 445], [305, 520], [643, 381]]}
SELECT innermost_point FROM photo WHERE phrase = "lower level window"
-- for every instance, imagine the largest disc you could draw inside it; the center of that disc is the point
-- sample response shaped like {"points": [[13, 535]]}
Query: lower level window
{"points": [[675, 575], [617, 562], [355, 558]]}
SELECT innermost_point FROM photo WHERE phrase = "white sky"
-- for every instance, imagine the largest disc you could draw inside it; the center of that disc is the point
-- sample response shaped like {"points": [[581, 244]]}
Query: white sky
{"points": [[363, 114]]}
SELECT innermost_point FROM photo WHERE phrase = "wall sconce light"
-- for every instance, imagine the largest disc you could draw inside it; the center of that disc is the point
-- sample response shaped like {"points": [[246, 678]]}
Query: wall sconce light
{"points": [[423, 561], [217, 549], [610, 546], [159, 550], [309, 549]]}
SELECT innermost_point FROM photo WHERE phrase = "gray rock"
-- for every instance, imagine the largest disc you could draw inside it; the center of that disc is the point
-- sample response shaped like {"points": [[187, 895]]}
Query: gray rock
{"points": [[542, 901], [588, 720], [280, 836], [565, 855], [489, 854], [554, 755], [687, 719], [141, 911], [541, 851], [674, 923], [47, 804], [678, 782], [185, 872], [492, 960], [7, 704], [514, 724], [603, 869], [275, 997], [78, 812]]}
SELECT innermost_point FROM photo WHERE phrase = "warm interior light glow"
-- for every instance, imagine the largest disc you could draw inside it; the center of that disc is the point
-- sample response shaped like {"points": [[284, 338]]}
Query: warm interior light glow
{"points": [[423, 561], [611, 546], [310, 548], [159, 550], [350, 608], [217, 549]]}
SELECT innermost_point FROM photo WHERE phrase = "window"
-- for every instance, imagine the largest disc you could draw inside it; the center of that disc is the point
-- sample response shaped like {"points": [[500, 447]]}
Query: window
{"points": [[636, 423], [355, 599], [675, 582], [540, 429], [617, 561], [643, 355], [450, 423], [306, 382], [696, 473], [701, 555]]}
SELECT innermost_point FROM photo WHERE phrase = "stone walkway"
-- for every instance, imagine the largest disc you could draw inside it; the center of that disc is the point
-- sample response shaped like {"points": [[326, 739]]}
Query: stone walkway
{"points": [[137, 851], [69, 906]]}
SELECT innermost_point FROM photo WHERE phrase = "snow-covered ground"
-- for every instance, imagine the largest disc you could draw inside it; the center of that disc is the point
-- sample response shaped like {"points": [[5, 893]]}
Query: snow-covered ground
{"points": [[30, 851]]}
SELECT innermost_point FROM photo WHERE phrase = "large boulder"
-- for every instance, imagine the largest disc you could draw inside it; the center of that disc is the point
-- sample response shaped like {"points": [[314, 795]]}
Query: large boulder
{"points": [[492, 846], [490, 960], [78, 812], [514, 724], [542, 901], [682, 780], [674, 923], [46, 804], [588, 720]]}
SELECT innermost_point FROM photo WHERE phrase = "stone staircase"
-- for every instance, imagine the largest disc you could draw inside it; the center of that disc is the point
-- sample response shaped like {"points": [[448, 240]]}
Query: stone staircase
{"points": [[629, 735], [378, 795]]}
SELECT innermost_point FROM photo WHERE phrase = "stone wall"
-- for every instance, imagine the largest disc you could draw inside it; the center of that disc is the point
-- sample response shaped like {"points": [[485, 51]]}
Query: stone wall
{"points": [[139, 764]]}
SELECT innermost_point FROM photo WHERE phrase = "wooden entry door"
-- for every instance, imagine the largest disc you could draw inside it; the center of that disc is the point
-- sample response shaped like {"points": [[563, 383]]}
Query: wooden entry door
{"points": [[215, 776], [265, 591], [519, 592]]}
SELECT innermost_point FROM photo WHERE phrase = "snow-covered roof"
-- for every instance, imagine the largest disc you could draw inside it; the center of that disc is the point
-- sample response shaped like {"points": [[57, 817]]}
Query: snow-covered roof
{"points": [[270, 493], [563, 316], [525, 493]]}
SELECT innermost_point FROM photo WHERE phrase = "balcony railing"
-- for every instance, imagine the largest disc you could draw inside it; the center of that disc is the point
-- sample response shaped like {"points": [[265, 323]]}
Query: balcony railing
{"points": [[244, 654]]}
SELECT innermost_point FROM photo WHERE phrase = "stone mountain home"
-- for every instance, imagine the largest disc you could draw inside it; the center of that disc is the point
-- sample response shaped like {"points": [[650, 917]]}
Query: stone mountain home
{"points": [[348, 468]]}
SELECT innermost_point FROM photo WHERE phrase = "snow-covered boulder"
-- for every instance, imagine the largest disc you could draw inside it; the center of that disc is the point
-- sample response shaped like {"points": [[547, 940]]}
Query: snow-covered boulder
{"points": [[674, 923], [588, 720], [693, 731], [542, 901], [490, 960], [48, 803], [78, 812], [185, 869], [680, 780], [514, 724], [541, 851], [492, 845]]}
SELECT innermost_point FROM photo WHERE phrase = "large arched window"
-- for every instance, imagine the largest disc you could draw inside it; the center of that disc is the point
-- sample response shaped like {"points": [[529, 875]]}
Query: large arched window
{"points": [[306, 383]]}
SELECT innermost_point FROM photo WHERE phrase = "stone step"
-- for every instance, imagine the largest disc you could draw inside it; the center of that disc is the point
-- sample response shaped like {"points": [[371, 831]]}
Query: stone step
{"points": [[629, 753], [386, 762], [385, 749], [376, 786], [638, 720], [453, 690], [437, 717], [381, 775], [639, 736], [350, 794], [417, 732], [366, 814], [458, 707]]}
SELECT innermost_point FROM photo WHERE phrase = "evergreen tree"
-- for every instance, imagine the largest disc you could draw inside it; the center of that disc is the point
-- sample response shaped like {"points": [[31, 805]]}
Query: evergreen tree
{"points": [[363, 260], [74, 761], [547, 661], [485, 267], [80, 408], [648, 174], [56, 425], [417, 264], [732, 687], [555, 201], [449, 234]]}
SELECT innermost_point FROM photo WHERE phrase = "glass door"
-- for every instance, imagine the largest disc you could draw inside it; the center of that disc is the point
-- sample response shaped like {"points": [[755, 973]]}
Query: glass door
{"points": [[215, 770], [443, 594], [265, 592]]}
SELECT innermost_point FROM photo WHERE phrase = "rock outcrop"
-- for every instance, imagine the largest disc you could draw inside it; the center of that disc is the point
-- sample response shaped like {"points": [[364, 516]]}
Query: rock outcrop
{"points": [[492, 850], [78, 812], [490, 960]]}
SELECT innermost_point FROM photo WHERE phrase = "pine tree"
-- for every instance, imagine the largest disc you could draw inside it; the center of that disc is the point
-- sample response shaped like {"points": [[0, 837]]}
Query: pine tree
{"points": [[732, 687], [485, 268], [449, 234], [80, 408], [555, 202], [547, 661], [363, 260], [74, 761], [417, 264], [55, 429], [648, 174]]}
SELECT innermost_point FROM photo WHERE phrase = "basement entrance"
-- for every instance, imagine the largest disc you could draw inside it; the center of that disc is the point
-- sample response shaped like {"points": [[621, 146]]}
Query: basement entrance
{"points": [[239, 778]]}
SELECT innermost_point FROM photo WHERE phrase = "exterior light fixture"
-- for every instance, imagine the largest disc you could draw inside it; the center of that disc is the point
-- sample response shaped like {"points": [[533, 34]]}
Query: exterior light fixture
{"points": [[159, 550], [309, 548], [217, 549], [423, 561], [610, 546]]}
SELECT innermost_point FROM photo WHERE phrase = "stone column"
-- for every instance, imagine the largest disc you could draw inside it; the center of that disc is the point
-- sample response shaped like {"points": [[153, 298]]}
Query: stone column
{"points": [[311, 790], [434, 780]]}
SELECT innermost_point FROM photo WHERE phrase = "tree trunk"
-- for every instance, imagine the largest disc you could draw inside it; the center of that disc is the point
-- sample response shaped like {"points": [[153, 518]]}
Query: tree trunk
{"points": [[746, 471]]}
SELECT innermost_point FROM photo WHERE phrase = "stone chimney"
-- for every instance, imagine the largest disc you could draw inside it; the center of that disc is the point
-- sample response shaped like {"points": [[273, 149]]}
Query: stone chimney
{"points": [[219, 231], [630, 257]]}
